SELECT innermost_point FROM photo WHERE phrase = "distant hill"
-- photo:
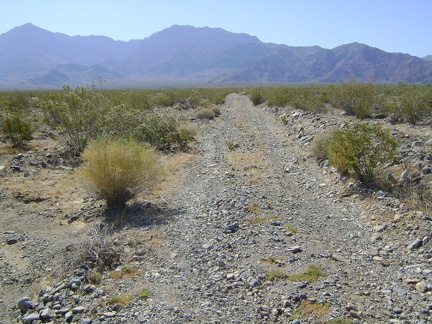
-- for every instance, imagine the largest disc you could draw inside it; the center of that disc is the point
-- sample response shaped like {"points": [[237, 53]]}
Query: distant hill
{"points": [[31, 57], [428, 58]]}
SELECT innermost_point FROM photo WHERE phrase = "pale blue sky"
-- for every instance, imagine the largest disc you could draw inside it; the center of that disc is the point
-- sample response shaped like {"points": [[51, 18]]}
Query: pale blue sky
{"points": [[392, 25]]}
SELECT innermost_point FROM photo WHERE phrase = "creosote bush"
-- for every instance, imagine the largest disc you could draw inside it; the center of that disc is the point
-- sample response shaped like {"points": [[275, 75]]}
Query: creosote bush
{"points": [[75, 114], [256, 96], [17, 130], [119, 170], [355, 98], [359, 149], [165, 132]]}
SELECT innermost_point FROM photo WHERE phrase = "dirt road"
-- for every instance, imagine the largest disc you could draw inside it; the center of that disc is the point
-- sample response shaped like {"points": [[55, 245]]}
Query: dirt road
{"points": [[252, 230]]}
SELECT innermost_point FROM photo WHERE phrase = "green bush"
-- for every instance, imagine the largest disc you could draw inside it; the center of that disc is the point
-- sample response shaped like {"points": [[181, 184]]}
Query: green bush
{"points": [[165, 132], [355, 98], [119, 170], [76, 115], [359, 149], [410, 105], [17, 130], [256, 96]]}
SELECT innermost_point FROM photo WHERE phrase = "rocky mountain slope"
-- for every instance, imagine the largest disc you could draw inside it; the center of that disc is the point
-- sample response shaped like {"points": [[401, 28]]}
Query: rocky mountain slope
{"points": [[31, 57], [247, 229]]}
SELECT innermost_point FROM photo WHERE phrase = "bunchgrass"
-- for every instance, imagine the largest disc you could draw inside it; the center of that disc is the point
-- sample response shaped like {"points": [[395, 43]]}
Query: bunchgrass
{"points": [[311, 274], [119, 170]]}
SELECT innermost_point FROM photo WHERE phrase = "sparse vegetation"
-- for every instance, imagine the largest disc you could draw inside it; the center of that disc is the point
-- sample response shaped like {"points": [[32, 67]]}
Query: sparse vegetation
{"points": [[254, 208], [124, 272], [263, 219], [311, 274], [291, 228], [119, 299], [273, 260], [274, 274], [145, 293], [134, 242], [230, 145], [310, 310], [119, 170]]}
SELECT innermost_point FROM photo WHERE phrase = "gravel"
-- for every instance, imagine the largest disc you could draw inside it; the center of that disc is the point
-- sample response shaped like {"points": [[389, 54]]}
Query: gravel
{"points": [[265, 206]]}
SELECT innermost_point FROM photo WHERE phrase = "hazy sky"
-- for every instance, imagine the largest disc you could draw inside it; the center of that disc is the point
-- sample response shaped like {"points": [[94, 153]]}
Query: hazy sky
{"points": [[392, 25]]}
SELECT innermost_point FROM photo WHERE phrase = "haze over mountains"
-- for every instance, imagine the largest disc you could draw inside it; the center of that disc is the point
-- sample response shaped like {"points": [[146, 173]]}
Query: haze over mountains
{"points": [[34, 58]]}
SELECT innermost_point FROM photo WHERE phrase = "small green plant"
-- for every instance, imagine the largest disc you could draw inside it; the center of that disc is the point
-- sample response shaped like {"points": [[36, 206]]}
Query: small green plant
{"points": [[272, 260], [311, 274], [119, 299], [119, 170], [17, 131], [291, 228], [275, 274], [261, 220], [145, 293], [359, 149], [308, 310], [205, 114], [124, 271], [254, 208], [284, 119], [95, 277], [230, 145]]}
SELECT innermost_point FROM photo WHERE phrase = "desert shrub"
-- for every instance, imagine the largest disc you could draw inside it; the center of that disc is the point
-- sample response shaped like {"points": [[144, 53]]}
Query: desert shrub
{"points": [[162, 99], [216, 110], [76, 115], [355, 98], [306, 99], [359, 149], [194, 99], [165, 132], [318, 146], [411, 104], [256, 96], [17, 130], [119, 170], [121, 121], [280, 97], [205, 114], [18, 101]]}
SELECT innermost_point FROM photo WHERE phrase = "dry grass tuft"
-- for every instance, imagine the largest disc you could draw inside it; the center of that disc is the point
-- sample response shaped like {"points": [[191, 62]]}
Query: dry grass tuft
{"points": [[119, 170], [311, 274]]}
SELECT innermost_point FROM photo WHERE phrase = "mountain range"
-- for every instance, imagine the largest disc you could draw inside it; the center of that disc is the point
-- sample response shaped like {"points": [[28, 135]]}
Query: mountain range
{"points": [[34, 58]]}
